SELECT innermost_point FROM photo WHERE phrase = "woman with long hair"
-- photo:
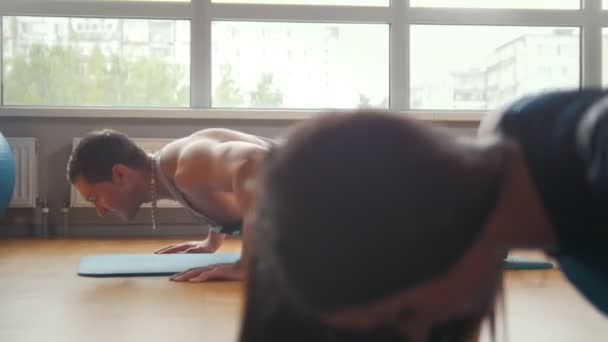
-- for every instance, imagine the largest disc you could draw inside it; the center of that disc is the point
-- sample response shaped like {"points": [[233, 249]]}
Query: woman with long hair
{"points": [[375, 224]]}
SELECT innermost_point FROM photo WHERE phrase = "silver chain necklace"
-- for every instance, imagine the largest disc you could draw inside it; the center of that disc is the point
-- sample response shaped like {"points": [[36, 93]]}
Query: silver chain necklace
{"points": [[153, 192]]}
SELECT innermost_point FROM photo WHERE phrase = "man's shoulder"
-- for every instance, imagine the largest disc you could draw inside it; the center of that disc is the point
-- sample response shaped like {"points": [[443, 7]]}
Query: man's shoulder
{"points": [[193, 161], [181, 153], [219, 134], [195, 154]]}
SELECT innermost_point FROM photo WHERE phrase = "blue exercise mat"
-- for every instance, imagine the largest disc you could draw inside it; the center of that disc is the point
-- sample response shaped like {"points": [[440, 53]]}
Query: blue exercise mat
{"points": [[523, 263], [140, 265]]}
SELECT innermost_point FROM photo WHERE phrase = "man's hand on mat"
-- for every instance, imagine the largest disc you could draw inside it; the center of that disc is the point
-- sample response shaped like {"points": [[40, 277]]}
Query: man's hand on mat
{"points": [[189, 247], [232, 271]]}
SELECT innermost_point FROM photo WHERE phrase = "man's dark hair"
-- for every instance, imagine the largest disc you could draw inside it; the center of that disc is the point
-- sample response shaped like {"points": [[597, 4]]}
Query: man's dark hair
{"points": [[99, 151], [356, 207]]}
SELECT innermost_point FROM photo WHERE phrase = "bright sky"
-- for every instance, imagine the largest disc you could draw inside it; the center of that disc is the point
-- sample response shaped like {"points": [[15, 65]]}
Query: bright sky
{"points": [[311, 2], [535, 4], [438, 49]]}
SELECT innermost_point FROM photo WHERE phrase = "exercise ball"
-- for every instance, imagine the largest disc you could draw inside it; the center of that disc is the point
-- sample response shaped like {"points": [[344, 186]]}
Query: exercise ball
{"points": [[7, 175]]}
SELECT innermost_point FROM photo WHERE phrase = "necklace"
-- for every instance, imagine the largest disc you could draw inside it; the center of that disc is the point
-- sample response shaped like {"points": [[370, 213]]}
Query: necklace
{"points": [[153, 192]]}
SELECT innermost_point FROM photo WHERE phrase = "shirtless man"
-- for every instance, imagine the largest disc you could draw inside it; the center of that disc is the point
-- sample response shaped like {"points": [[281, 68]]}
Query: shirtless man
{"points": [[210, 172]]}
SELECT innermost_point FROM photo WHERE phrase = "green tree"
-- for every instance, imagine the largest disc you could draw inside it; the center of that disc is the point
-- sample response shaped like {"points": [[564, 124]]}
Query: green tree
{"points": [[152, 82], [16, 81], [265, 94], [27, 77], [116, 82], [183, 93], [67, 81], [37, 77], [96, 77], [45, 76], [63, 76], [227, 93]]}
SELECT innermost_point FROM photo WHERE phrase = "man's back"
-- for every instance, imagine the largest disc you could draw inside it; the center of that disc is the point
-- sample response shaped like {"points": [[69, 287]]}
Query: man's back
{"points": [[202, 168]]}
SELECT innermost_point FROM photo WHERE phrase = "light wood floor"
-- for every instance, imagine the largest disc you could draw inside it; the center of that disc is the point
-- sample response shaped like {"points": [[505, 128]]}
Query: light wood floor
{"points": [[42, 299]]}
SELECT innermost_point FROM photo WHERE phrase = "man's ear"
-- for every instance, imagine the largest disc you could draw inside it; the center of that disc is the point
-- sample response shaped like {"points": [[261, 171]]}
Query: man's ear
{"points": [[119, 173]]}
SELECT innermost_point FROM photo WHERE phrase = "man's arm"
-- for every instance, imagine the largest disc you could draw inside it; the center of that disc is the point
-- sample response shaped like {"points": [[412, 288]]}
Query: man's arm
{"points": [[241, 163], [245, 185], [212, 242]]}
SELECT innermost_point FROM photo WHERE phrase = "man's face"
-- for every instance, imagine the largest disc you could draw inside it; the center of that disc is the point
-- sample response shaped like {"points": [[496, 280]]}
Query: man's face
{"points": [[117, 197]]}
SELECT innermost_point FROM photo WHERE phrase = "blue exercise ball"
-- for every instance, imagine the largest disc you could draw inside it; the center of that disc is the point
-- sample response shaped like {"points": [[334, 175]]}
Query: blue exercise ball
{"points": [[7, 174]]}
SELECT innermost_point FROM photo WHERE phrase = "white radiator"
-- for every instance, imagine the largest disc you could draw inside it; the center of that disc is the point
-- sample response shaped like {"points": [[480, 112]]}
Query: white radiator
{"points": [[149, 145], [25, 154]]}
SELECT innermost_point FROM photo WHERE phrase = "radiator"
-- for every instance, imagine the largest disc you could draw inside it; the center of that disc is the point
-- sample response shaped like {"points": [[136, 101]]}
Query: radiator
{"points": [[149, 145], [25, 154]]}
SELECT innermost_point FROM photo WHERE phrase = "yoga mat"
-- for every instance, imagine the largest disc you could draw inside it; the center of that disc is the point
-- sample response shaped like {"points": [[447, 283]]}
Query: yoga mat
{"points": [[523, 263], [140, 265]]}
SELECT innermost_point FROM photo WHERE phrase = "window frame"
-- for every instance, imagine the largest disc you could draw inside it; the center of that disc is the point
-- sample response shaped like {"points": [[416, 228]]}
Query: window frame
{"points": [[398, 15]]}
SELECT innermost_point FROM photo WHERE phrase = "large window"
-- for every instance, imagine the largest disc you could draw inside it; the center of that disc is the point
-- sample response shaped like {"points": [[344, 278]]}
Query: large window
{"points": [[95, 62], [310, 2], [489, 66], [289, 58], [525, 4], [294, 65]]}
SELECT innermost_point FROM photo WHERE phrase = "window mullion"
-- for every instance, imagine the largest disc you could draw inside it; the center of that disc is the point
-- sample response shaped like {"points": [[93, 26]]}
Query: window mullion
{"points": [[200, 50], [591, 44]]}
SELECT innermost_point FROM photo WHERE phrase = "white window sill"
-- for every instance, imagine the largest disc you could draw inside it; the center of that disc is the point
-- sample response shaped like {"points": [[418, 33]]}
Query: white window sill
{"points": [[215, 114]]}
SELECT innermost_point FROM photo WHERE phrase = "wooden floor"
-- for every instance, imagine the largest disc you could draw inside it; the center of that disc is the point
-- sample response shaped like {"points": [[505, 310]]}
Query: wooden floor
{"points": [[42, 299]]}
